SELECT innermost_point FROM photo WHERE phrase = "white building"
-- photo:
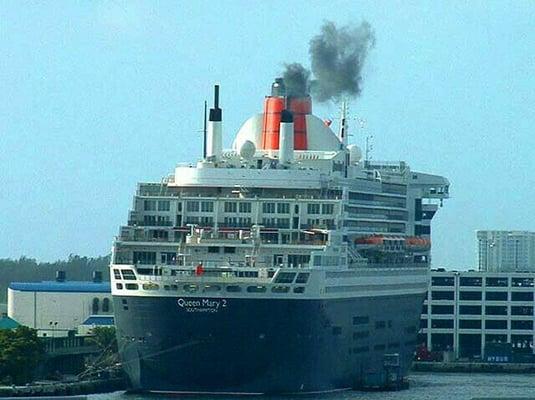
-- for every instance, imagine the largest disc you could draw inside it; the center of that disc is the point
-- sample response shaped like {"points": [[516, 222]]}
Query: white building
{"points": [[56, 307], [506, 250], [466, 311]]}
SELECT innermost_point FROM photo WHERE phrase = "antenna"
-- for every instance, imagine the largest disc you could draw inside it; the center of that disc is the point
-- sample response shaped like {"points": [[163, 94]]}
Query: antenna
{"points": [[369, 147], [204, 130], [343, 134]]}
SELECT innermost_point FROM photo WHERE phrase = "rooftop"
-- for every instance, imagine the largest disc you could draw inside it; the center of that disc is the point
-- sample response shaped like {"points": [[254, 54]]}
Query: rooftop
{"points": [[67, 286]]}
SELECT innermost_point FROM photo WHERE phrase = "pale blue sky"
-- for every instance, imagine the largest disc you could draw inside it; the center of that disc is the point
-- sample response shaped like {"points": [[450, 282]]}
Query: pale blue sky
{"points": [[96, 96]]}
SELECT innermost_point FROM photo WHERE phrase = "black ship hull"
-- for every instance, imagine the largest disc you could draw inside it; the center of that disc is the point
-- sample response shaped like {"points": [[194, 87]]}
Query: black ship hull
{"points": [[212, 345]]}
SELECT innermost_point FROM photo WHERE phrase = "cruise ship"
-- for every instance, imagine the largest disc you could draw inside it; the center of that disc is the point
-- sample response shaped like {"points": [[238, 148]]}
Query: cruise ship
{"points": [[285, 264]]}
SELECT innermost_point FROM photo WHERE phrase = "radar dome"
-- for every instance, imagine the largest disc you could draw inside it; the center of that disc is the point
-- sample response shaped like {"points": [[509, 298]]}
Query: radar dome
{"points": [[355, 153], [247, 149]]}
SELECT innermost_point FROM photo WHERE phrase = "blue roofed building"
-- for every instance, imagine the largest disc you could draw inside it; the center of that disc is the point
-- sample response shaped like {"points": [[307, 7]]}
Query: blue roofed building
{"points": [[56, 307]]}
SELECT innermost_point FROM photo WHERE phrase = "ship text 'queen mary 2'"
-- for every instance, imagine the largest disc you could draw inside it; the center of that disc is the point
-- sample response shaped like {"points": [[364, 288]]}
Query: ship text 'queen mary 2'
{"points": [[286, 264]]}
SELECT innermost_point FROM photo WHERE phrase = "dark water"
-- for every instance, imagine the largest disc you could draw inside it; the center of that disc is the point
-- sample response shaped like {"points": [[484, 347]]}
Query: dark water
{"points": [[423, 386]]}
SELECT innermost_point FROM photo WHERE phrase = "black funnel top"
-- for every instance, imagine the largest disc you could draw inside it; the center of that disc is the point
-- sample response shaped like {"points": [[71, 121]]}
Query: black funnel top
{"points": [[215, 112]]}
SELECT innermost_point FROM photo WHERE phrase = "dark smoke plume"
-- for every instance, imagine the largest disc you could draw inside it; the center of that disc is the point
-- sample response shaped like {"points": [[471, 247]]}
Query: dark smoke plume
{"points": [[296, 79], [337, 57]]}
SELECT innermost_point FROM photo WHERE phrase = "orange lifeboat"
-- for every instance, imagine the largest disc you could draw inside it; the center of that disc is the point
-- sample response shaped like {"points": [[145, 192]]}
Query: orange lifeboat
{"points": [[374, 240], [417, 243]]}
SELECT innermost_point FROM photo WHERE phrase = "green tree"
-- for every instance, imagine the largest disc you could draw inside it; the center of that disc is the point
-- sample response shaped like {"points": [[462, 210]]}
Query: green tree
{"points": [[104, 338], [21, 351]]}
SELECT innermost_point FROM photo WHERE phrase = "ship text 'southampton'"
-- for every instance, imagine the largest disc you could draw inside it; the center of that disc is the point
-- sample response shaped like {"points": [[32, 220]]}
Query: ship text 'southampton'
{"points": [[285, 264]]}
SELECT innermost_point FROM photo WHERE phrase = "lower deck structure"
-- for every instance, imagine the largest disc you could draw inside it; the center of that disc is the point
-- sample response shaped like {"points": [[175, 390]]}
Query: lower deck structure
{"points": [[236, 345]]}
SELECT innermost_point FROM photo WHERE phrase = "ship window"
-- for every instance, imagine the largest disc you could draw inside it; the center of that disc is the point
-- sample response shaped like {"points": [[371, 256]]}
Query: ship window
{"points": [[302, 277], [361, 320], [337, 330], [256, 289], [192, 206], [233, 288], [327, 208], [299, 289], [280, 289], [363, 349], [174, 287], [360, 335], [132, 286], [150, 286], [285, 277], [410, 329], [379, 347], [128, 275], [440, 309], [268, 208], [166, 287], [380, 324], [423, 323], [213, 249], [313, 208], [393, 345], [283, 208], [164, 205], [230, 207], [207, 206], [244, 207], [190, 288], [149, 205], [119, 285], [116, 274], [144, 257], [229, 249], [211, 288]]}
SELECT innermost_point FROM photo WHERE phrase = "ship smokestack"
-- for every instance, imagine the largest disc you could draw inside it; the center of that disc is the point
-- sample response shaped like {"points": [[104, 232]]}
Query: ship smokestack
{"points": [[274, 105], [214, 139], [286, 150]]}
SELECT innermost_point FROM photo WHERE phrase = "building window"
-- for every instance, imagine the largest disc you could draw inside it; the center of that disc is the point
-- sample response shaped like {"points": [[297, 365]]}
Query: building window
{"points": [[442, 295], [423, 323], [497, 281], [268, 208], [207, 206], [442, 281], [313, 208], [106, 305], [523, 325], [469, 324], [522, 282], [442, 323], [496, 296], [164, 205], [441, 309], [470, 296], [95, 306], [522, 310], [495, 324], [337, 330], [470, 310], [470, 281], [360, 335], [192, 206], [522, 296], [495, 310], [380, 324], [245, 207]]}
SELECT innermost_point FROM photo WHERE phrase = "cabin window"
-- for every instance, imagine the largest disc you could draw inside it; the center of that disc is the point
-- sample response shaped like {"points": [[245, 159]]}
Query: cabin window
{"points": [[211, 288], [280, 289], [256, 289], [233, 288], [245, 207], [285, 277], [361, 320], [119, 286], [190, 288], [116, 274], [230, 206], [164, 205], [299, 289]]}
